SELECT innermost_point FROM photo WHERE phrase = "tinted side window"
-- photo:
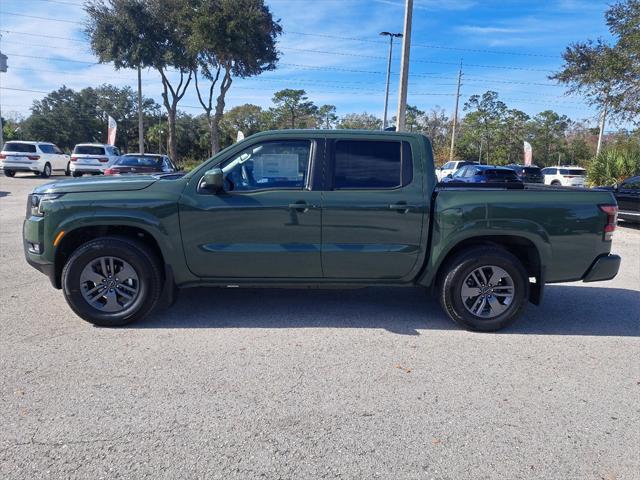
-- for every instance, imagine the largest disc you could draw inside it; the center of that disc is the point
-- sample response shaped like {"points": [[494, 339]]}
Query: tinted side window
{"points": [[46, 148], [370, 164], [633, 184]]}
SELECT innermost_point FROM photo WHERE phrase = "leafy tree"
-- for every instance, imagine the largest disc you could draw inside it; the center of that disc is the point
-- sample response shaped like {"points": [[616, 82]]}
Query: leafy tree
{"points": [[327, 117], [485, 119], [548, 136], [360, 121], [293, 109], [121, 104], [153, 33], [232, 38], [608, 76], [512, 136], [246, 118], [66, 117]]}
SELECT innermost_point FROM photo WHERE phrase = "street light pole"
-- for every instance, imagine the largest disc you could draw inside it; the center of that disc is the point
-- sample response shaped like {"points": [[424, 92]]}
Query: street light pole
{"points": [[404, 68], [386, 92]]}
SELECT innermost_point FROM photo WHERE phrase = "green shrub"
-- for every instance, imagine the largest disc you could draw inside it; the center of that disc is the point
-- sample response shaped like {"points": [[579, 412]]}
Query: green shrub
{"points": [[613, 165]]}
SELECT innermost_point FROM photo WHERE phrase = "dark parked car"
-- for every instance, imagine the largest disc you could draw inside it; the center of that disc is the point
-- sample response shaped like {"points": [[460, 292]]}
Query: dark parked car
{"points": [[628, 197], [136, 163], [531, 174], [482, 174]]}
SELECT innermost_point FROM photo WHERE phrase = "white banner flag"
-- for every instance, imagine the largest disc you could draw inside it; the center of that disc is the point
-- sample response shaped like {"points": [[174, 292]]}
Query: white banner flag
{"points": [[111, 131], [528, 154]]}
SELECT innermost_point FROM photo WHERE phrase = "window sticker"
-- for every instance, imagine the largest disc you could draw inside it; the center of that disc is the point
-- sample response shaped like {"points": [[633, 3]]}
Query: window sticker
{"points": [[277, 165]]}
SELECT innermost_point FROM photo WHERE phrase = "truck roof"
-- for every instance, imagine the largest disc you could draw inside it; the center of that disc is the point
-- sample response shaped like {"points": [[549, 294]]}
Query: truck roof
{"points": [[337, 133]]}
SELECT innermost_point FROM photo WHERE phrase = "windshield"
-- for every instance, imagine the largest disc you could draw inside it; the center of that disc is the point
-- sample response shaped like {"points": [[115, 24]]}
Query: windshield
{"points": [[88, 150], [18, 147], [131, 161], [532, 170]]}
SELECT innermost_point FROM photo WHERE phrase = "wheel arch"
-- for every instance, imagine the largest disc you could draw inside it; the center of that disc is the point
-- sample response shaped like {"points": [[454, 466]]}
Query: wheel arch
{"points": [[81, 235], [521, 247]]}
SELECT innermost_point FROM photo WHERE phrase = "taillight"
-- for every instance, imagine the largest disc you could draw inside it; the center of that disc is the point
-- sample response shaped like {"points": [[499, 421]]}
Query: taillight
{"points": [[612, 218], [110, 171], [33, 157], [103, 160], [2, 156], [74, 159]]}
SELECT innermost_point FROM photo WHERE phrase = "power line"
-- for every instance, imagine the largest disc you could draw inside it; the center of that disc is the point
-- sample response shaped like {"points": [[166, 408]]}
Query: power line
{"points": [[38, 18], [423, 45], [29, 34], [475, 65]]}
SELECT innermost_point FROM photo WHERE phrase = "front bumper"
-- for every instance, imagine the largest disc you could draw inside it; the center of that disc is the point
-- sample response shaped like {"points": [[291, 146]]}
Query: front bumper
{"points": [[605, 267], [33, 233]]}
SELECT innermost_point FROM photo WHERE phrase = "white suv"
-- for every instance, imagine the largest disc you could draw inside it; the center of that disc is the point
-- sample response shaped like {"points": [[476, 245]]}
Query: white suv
{"points": [[450, 168], [92, 158], [566, 176], [41, 158]]}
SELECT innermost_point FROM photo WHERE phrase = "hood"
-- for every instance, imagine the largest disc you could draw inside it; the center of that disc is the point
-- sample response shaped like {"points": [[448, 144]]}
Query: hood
{"points": [[98, 184]]}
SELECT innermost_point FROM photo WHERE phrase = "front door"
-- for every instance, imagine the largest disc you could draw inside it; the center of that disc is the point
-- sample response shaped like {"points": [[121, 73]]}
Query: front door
{"points": [[372, 210], [266, 222]]}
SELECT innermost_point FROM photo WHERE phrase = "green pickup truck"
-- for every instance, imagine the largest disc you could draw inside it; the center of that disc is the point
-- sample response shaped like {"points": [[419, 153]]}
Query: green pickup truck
{"points": [[320, 209]]}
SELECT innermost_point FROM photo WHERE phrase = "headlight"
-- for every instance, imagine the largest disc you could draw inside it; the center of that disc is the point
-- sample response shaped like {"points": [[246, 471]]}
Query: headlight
{"points": [[34, 203]]}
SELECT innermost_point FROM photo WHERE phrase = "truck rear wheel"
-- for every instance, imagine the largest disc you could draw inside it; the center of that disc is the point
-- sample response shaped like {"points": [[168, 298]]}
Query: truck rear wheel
{"points": [[484, 289], [111, 281]]}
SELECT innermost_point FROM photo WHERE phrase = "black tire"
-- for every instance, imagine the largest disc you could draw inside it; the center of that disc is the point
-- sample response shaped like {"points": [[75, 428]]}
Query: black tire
{"points": [[46, 171], [461, 267], [9, 173], [556, 183], [137, 255], [77, 174], [67, 172]]}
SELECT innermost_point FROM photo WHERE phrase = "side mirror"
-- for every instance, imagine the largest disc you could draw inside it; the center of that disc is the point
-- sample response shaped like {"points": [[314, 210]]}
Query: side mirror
{"points": [[213, 180]]}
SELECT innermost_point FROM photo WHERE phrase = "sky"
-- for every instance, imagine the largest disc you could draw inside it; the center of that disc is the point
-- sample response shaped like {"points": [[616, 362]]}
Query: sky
{"points": [[332, 49]]}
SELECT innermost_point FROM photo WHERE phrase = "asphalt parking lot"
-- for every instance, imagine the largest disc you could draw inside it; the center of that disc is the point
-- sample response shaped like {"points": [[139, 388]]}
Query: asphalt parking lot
{"points": [[373, 383]]}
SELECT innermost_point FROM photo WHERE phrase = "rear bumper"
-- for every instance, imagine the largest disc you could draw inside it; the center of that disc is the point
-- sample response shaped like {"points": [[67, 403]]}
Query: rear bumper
{"points": [[604, 267], [87, 168], [21, 167]]}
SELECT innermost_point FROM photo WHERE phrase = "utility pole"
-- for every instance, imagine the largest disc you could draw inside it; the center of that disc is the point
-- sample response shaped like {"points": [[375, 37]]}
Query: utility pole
{"points": [[140, 118], [455, 115], [3, 69], [603, 117], [404, 67], [386, 92]]}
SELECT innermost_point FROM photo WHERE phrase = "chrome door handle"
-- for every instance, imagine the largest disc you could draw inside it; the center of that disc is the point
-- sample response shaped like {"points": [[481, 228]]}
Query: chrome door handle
{"points": [[401, 207], [300, 207]]}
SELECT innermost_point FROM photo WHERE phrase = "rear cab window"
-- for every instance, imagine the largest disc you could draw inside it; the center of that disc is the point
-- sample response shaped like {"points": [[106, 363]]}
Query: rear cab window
{"points": [[88, 150], [19, 147], [370, 164]]}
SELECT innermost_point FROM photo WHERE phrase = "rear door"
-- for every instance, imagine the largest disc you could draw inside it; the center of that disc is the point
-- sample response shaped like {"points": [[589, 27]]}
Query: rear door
{"points": [[372, 209]]}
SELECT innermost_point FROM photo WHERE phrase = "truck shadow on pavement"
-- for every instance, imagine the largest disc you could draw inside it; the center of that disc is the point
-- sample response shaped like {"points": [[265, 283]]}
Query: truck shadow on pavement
{"points": [[566, 310]]}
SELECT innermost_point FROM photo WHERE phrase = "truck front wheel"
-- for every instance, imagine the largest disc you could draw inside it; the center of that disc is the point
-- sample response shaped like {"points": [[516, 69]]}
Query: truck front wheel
{"points": [[484, 288], [111, 281]]}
